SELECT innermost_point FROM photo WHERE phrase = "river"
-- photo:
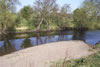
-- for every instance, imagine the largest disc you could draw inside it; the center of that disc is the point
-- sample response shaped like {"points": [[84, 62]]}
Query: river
{"points": [[14, 42]]}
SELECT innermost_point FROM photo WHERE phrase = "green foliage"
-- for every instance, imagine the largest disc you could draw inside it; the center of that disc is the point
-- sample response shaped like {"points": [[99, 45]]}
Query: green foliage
{"points": [[46, 14], [80, 19], [90, 61], [26, 12], [87, 16], [9, 20], [98, 45], [32, 23], [62, 19], [25, 18], [92, 10], [7, 17]]}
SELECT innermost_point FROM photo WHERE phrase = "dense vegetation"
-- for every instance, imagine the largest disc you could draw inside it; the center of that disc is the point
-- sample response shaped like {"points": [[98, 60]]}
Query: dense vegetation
{"points": [[7, 16], [48, 15]]}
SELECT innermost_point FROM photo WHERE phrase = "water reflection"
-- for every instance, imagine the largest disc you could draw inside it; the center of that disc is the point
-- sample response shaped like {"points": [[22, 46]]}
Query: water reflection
{"points": [[26, 43], [7, 47], [10, 43], [79, 35]]}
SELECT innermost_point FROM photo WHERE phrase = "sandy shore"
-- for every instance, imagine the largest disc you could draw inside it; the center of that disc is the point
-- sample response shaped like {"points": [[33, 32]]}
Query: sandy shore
{"points": [[44, 55]]}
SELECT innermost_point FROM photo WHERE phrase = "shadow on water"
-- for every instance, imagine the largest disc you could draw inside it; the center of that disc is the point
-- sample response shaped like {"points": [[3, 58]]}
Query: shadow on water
{"points": [[26, 43], [7, 46], [79, 35], [13, 42]]}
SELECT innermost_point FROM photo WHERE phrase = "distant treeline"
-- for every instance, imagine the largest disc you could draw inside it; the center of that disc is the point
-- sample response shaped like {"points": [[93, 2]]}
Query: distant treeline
{"points": [[48, 15]]}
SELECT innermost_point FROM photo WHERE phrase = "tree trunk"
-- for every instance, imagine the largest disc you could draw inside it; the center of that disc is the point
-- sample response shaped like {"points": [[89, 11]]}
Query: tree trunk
{"points": [[48, 25], [38, 27], [3, 29]]}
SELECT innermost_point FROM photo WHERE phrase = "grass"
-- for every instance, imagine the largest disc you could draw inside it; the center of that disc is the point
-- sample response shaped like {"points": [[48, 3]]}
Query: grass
{"points": [[97, 45], [90, 61]]}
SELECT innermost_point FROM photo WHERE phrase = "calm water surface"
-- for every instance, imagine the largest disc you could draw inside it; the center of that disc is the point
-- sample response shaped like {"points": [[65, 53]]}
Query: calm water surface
{"points": [[11, 43]]}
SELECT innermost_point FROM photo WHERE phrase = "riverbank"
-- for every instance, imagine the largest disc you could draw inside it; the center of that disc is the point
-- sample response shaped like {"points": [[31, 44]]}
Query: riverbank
{"points": [[45, 55], [22, 30]]}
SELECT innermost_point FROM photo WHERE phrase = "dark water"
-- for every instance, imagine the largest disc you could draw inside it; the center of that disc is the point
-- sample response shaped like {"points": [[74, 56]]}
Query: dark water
{"points": [[11, 43]]}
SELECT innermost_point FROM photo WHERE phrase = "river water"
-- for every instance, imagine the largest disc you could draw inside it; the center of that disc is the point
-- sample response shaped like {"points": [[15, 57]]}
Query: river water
{"points": [[11, 43]]}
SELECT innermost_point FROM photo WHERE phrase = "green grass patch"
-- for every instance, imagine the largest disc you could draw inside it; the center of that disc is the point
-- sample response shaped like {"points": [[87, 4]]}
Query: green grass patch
{"points": [[97, 45], [90, 61]]}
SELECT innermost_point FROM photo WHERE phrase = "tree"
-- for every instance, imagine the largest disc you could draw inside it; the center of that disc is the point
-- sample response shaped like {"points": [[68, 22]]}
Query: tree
{"points": [[80, 19], [43, 9], [63, 17], [92, 8], [26, 12], [7, 7], [24, 17]]}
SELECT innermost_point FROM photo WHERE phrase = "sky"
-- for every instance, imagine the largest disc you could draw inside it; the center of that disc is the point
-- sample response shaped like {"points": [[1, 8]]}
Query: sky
{"points": [[73, 3]]}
